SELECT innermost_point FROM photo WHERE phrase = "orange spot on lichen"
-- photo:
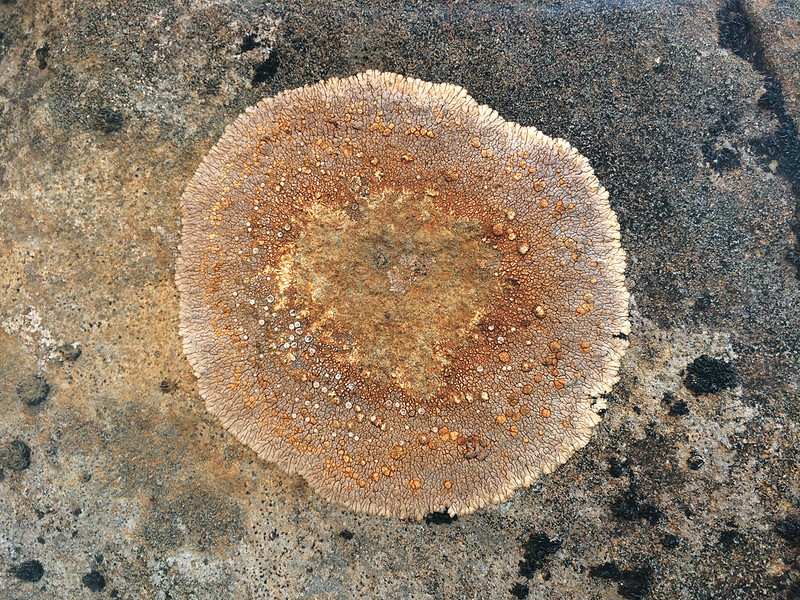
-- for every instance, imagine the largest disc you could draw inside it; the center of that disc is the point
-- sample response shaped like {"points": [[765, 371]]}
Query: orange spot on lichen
{"points": [[450, 174]]}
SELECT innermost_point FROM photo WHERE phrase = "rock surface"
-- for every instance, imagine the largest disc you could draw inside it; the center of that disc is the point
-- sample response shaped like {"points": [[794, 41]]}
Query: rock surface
{"points": [[689, 488]]}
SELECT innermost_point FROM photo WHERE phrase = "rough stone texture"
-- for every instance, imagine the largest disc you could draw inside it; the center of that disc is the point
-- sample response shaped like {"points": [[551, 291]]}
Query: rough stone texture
{"points": [[106, 111]]}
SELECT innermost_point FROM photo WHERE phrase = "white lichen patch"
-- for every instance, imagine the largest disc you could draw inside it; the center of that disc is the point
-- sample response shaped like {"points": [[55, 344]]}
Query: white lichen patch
{"points": [[27, 325]]}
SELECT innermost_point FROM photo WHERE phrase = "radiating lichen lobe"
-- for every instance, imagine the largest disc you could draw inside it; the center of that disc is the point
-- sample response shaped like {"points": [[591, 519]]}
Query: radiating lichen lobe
{"points": [[392, 291]]}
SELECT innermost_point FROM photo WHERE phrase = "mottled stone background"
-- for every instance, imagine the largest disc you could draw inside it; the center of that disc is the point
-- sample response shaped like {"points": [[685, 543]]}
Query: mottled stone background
{"points": [[690, 487]]}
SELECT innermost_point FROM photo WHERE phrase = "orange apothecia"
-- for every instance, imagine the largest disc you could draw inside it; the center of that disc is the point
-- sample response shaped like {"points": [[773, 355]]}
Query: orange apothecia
{"points": [[395, 293]]}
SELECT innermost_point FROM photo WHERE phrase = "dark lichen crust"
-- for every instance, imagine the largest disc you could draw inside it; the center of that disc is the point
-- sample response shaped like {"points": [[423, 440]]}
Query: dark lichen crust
{"points": [[392, 291]]}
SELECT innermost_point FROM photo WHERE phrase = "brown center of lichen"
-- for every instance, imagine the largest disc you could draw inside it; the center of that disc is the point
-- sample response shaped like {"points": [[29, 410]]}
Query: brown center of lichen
{"points": [[394, 283]]}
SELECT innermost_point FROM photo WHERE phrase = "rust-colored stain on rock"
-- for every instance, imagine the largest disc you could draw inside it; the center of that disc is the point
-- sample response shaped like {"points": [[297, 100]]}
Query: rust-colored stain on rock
{"points": [[395, 293]]}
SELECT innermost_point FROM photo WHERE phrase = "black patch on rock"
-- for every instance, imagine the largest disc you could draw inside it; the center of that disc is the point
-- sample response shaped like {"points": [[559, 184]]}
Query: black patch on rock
{"points": [[520, 590], [538, 549], [793, 592], [721, 158], [670, 541], [41, 56], [735, 30], [30, 570], [634, 583], [628, 507], [15, 455], [267, 69], [608, 570], [440, 518], [728, 538], [789, 529], [110, 119], [250, 42], [33, 390], [707, 375], [617, 467], [346, 534], [167, 386], [783, 144], [679, 409], [703, 302], [695, 461], [94, 580]]}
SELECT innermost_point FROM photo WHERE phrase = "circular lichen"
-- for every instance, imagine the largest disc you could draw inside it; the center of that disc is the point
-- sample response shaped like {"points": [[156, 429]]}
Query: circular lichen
{"points": [[395, 293], [15, 455]]}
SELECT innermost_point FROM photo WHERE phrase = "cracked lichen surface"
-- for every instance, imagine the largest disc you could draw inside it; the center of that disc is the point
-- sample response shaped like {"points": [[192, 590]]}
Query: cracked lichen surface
{"points": [[394, 284], [392, 291]]}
